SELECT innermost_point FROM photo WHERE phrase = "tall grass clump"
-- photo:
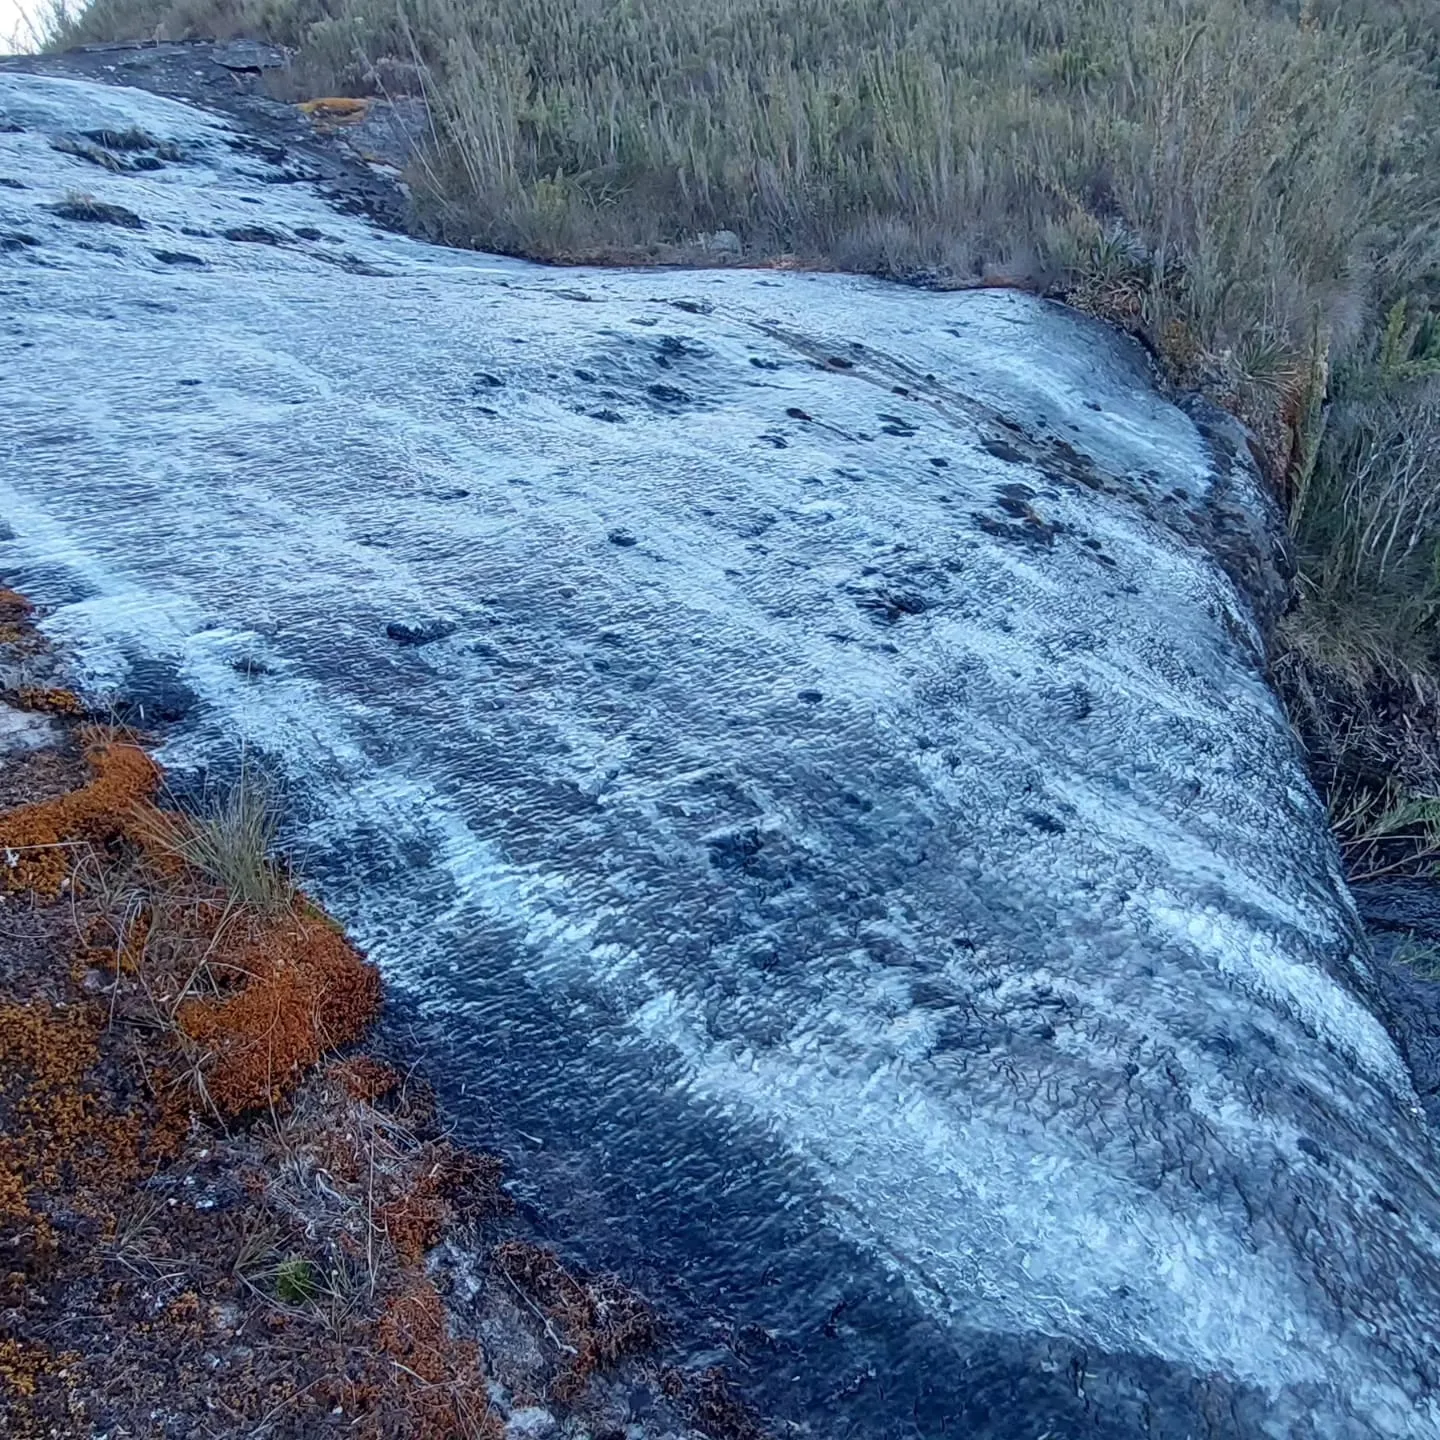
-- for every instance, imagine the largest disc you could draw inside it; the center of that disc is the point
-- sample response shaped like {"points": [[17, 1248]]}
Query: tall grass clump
{"points": [[1251, 186], [230, 837]]}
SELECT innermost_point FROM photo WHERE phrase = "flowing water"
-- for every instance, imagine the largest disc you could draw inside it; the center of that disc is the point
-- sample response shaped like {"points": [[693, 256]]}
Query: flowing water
{"points": [[801, 748]]}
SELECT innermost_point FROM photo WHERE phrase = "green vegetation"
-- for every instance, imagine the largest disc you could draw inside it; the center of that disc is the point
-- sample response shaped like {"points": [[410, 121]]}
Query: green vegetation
{"points": [[231, 838], [1253, 186], [295, 1281], [1422, 958]]}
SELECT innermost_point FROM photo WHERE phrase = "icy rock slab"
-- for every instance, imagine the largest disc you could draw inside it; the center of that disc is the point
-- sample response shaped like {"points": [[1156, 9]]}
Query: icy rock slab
{"points": [[802, 747]]}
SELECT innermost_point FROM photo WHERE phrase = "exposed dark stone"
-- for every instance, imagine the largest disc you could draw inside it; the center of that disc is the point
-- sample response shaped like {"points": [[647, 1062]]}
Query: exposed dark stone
{"points": [[98, 212], [253, 235], [423, 633]]}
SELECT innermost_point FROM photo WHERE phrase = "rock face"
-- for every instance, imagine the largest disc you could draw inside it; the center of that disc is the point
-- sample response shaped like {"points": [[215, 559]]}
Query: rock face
{"points": [[803, 750]]}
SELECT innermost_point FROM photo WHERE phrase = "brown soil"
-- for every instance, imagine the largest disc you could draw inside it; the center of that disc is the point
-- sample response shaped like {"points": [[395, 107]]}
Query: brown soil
{"points": [[211, 1223]]}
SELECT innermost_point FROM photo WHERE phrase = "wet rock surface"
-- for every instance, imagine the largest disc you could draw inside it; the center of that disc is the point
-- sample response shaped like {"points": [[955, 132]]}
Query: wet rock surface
{"points": [[802, 749], [356, 167]]}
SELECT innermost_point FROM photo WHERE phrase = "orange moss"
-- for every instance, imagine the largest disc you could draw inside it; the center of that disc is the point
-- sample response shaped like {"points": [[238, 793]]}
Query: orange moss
{"points": [[14, 609], [88, 1106], [334, 105], [22, 1364], [440, 1378], [58, 1138], [601, 1318], [36, 841], [417, 1217], [414, 1223], [308, 991], [364, 1078], [50, 700], [336, 109]]}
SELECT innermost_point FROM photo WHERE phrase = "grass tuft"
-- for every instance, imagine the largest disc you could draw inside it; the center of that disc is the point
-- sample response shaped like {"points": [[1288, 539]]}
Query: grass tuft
{"points": [[231, 840]]}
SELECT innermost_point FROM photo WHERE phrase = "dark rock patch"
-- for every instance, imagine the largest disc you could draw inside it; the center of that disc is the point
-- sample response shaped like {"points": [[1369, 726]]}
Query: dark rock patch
{"points": [[1402, 917], [668, 395], [1046, 824], [350, 263], [253, 235], [133, 139], [177, 257], [622, 537], [891, 606], [1002, 450], [11, 240], [1030, 530], [424, 633], [735, 849], [264, 150], [153, 694], [64, 145], [96, 212], [677, 347], [119, 151]]}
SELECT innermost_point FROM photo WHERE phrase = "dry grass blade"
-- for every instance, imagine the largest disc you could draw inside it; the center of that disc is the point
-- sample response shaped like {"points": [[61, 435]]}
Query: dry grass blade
{"points": [[1386, 831], [231, 839]]}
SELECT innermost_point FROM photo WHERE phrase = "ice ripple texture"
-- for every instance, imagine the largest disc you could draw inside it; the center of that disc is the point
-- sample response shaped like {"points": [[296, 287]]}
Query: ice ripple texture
{"points": [[802, 748]]}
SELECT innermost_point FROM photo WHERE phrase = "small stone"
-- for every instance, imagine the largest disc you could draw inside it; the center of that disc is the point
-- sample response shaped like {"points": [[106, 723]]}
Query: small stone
{"points": [[721, 242], [531, 1423], [96, 212], [253, 235], [423, 634], [620, 536]]}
